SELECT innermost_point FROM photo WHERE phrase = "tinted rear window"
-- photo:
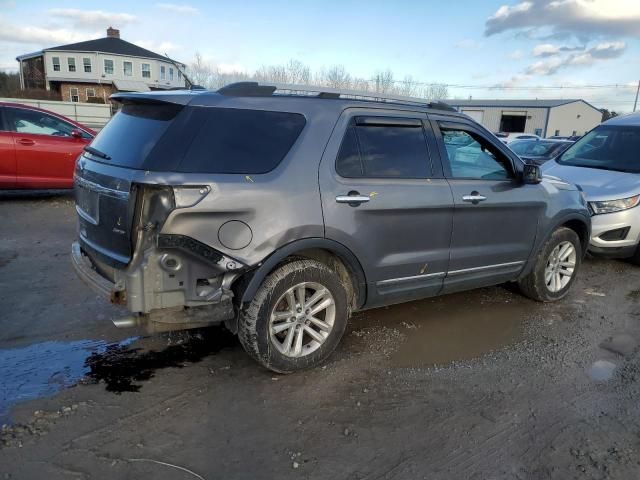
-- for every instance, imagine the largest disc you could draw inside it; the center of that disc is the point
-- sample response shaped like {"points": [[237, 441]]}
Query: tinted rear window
{"points": [[199, 139], [241, 141], [133, 132]]}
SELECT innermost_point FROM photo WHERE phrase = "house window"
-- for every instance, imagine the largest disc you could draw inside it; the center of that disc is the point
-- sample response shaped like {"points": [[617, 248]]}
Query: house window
{"points": [[91, 92], [74, 94], [108, 67], [162, 72], [71, 64], [86, 63], [538, 132], [574, 133], [557, 134], [170, 74], [146, 70], [179, 75], [128, 68], [56, 64]]}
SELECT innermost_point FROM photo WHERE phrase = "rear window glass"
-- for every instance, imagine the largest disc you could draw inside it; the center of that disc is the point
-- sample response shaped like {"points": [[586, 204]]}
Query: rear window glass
{"points": [[133, 132], [383, 152], [199, 139], [241, 141]]}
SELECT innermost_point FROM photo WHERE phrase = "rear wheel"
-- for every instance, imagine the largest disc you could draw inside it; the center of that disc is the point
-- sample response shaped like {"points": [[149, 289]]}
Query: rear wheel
{"points": [[555, 269], [297, 317]]}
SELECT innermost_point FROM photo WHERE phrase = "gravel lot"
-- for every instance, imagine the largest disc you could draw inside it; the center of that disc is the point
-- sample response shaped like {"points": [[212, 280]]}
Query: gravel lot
{"points": [[477, 385]]}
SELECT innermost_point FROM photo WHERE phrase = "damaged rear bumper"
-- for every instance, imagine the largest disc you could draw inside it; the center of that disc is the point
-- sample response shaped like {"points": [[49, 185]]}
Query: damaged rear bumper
{"points": [[165, 285]]}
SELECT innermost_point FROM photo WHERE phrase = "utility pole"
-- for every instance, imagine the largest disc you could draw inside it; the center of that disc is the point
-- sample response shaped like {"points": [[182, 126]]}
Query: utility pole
{"points": [[635, 104]]}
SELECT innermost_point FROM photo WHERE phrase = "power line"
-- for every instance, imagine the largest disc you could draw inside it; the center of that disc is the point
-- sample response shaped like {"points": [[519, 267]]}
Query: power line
{"points": [[510, 87]]}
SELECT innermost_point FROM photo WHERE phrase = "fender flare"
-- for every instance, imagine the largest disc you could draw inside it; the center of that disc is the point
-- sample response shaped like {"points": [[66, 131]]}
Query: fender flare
{"points": [[557, 222], [338, 249]]}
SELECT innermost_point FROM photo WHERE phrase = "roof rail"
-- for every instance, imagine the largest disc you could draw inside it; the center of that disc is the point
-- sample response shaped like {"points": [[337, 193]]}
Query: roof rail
{"points": [[255, 89]]}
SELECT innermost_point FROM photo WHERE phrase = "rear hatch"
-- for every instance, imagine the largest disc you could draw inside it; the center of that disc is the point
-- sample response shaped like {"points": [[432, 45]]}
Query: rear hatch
{"points": [[104, 187]]}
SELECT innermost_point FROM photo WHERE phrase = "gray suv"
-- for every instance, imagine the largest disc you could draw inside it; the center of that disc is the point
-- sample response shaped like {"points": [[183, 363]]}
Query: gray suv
{"points": [[280, 210]]}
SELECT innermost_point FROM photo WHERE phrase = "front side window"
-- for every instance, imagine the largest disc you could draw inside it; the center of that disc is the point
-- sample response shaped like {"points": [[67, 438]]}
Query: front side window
{"points": [[74, 95], [146, 70], [86, 63], [108, 67], [38, 123], [127, 68], [71, 64], [170, 74], [91, 92], [162, 72], [607, 147], [384, 151], [56, 64], [471, 156]]}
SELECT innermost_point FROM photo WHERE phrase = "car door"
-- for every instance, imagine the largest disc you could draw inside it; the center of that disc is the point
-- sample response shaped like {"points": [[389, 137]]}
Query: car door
{"points": [[384, 197], [7, 154], [45, 149], [496, 215]]}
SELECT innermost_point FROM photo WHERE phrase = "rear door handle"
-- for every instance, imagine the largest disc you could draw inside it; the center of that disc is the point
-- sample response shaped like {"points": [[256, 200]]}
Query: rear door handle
{"points": [[354, 199], [26, 141], [474, 198]]}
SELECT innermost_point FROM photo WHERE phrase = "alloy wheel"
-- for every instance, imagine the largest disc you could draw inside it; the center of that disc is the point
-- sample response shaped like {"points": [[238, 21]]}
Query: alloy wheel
{"points": [[302, 319], [560, 266]]}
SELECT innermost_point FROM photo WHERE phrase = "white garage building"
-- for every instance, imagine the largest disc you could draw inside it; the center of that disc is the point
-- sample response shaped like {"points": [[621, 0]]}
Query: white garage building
{"points": [[541, 117]]}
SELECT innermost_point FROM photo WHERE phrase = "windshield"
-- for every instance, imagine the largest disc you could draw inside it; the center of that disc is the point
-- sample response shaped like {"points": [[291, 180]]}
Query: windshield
{"points": [[535, 148], [607, 147]]}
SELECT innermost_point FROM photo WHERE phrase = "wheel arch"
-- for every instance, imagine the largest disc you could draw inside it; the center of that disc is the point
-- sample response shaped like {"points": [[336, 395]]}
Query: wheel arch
{"points": [[332, 253]]}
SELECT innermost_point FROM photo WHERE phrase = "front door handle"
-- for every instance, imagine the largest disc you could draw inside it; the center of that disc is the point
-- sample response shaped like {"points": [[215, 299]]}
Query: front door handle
{"points": [[353, 198], [26, 141], [474, 198]]}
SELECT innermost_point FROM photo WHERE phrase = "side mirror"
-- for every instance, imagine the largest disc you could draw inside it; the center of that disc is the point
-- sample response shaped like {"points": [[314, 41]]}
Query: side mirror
{"points": [[531, 174], [76, 133]]}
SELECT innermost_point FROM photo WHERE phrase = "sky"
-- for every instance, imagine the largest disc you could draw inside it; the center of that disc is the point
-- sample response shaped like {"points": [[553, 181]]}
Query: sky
{"points": [[480, 48]]}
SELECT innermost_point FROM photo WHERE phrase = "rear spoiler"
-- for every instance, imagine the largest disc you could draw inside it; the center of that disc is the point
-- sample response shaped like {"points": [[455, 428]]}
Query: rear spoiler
{"points": [[177, 97]]}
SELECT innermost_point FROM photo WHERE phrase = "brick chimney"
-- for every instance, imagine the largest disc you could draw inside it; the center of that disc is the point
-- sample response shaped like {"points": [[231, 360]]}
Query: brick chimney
{"points": [[113, 32]]}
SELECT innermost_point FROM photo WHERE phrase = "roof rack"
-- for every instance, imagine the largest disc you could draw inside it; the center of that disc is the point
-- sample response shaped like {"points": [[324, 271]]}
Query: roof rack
{"points": [[255, 89]]}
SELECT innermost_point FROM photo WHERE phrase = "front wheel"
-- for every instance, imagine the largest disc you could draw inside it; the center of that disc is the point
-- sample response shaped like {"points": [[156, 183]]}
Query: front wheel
{"points": [[555, 269], [297, 317]]}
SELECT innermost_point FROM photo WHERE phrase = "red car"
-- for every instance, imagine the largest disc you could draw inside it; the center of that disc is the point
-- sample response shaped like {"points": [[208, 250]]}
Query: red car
{"points": [[38, 148]]}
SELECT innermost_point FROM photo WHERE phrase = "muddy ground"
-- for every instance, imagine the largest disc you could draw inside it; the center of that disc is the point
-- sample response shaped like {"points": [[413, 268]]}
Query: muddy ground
{"points": [[478, 385]]}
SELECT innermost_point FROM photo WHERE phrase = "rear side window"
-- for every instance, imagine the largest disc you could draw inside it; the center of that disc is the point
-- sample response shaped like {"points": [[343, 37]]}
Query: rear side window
{"points": [[384, 151], [241, 141]]}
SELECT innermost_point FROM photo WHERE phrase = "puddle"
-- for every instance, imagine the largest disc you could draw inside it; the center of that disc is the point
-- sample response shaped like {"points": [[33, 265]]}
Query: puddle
{"points": [[602, 370], [43, 369], [121, 368], [454, 327]]}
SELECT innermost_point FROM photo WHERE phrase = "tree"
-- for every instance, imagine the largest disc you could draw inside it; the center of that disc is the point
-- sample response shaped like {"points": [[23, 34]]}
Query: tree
{"points": [[383, 82], [9, 84], [606, 114], [200, 72], [435, 91]]}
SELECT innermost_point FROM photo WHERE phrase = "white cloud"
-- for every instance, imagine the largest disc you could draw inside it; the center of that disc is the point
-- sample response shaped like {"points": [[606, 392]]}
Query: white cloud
{"points": [[175, 8], [92, 18], [602, 51], [545, 50], [581, 18], [545, 67], [516, 55], [468, 44], [158, 47], [44, 37]]}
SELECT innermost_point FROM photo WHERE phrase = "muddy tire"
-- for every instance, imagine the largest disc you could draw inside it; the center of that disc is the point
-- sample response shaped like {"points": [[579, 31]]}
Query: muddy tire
{"points": [[555, 269], [297, 317]]}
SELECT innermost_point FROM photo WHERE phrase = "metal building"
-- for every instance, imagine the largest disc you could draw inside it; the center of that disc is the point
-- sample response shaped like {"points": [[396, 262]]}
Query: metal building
{"points": [[541, 117]]}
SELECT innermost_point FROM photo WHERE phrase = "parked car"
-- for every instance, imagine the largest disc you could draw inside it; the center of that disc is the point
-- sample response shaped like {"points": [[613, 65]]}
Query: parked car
{"points": [[512, 137], [539, 151], [38, 148], [572, 138], [605, 163], [281, 214]]}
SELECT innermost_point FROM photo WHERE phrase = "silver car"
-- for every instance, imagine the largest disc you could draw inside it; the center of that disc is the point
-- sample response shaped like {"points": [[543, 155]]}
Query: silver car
{"points": [[605, 163]]}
